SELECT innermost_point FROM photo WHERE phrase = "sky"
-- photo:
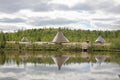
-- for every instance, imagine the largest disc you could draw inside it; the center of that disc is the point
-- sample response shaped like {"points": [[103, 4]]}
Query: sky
{"points": [[73, 14]]}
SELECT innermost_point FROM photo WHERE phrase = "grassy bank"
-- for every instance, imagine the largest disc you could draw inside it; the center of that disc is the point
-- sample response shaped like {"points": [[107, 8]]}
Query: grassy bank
{"points": [[56, 47]]}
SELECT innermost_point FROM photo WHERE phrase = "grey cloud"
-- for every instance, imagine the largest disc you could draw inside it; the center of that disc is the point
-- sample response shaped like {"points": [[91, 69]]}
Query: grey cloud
{"points": [[104, 19], [10, 28], [45, 22], [104, 24], [83, 6], [50, 7], [117, 22], [101, 26], [10, 6], [59, 6], [8, 20], [114, 9], [104, 5], [93, 6]]}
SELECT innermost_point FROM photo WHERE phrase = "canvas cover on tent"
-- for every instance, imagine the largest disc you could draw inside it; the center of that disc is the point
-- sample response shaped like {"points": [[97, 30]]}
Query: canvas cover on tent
{"points": [[100, 40], [24, 39], [60, 60], [60, 38]]}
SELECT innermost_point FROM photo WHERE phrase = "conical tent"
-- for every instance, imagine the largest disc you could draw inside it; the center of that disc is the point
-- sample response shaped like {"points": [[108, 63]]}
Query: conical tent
{"points": [[60, 38], [24, 39], [60, 60], [100, 40]]}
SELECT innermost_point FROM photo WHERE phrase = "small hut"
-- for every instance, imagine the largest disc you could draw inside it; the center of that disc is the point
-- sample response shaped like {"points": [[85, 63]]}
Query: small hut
{"points": [[24, 39], [60, 38], [85, 46], [100, 40]]}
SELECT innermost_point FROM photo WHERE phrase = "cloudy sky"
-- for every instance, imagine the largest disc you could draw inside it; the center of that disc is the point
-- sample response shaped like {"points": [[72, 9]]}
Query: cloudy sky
{"points": [[73, 14]]}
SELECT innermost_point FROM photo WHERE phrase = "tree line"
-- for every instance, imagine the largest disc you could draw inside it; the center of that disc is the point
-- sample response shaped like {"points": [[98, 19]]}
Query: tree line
{"points": [[47, 35], [72, 35]]}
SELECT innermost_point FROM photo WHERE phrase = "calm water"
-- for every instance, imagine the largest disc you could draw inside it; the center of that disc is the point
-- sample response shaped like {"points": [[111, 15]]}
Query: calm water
{"points": [[53, 66]]}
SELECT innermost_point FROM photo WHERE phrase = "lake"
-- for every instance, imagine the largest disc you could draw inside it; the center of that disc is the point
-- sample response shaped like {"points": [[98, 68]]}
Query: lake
{"points": [[38, 65]]}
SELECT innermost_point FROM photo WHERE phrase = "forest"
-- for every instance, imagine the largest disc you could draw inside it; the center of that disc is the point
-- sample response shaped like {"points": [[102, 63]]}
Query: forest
{"points": [[47, 35], [72, 35]]}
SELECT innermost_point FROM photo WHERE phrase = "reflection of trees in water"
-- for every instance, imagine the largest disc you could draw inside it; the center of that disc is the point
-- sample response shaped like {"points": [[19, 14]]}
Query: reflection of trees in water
{"points": [[45, 57], [2, 57]]}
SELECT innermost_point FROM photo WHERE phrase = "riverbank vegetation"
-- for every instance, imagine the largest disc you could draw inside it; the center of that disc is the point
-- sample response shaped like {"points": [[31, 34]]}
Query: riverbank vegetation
{"points": [[46, 35]]}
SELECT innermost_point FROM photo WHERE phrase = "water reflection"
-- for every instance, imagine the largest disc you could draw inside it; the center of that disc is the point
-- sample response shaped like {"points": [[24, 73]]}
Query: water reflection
{"points": [[60, 60], [100, 59], [73, 71], [85, 55], [39, 66]]}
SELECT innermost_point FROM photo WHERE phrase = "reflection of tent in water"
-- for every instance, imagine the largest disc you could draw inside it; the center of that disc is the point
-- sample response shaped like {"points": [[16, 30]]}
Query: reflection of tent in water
{"points": [[100, 40], [59, 60], [60, 38], [24, 39], [100, 59]]}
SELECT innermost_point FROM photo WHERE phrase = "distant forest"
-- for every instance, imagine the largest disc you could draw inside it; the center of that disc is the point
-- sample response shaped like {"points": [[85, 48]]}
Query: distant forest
{"points": [[47, 35]]}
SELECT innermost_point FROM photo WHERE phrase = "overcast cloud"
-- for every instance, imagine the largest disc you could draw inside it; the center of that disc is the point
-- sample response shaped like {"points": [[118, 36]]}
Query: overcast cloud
{"points": [[77, 14]]}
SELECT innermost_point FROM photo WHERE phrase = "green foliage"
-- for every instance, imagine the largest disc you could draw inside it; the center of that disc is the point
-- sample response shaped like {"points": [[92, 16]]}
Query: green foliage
{"points": [[72, 35], [47, 35]]}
